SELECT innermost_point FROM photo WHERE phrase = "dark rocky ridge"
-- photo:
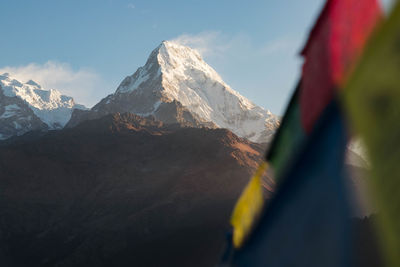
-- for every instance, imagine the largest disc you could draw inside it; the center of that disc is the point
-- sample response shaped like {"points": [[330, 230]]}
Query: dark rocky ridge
{"points": [[168, 112], [120, 191]]}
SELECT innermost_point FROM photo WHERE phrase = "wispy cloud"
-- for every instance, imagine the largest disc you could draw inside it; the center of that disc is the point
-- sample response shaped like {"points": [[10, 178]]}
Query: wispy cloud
{"points": [[131, 6], [208, 43], [83, 84], [213, 43]]}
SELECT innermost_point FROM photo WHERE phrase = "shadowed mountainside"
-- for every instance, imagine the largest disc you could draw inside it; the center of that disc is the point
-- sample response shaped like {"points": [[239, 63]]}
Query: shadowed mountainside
{"points": [[120, 191]]}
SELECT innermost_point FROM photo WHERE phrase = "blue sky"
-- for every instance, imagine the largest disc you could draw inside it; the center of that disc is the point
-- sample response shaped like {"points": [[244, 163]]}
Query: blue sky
{"points": [[85, 48]]}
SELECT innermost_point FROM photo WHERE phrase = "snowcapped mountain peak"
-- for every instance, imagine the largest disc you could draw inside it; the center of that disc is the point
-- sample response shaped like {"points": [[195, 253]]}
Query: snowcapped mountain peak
{"points": [[175, 73], [18, 100], [168, 59]]}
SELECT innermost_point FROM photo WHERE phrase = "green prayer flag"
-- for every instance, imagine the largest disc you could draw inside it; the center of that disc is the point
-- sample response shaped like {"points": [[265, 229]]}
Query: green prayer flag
{"points": [[372, 99]]}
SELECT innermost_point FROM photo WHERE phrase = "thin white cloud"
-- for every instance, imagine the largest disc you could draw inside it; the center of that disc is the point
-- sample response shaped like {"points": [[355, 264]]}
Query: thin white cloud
{"points": [[83, 84], [208, 43], [211, 44], [131, 6]]}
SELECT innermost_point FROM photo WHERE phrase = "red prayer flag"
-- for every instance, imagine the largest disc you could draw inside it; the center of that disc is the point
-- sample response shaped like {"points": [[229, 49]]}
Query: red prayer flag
{"points": [[331, 51]]}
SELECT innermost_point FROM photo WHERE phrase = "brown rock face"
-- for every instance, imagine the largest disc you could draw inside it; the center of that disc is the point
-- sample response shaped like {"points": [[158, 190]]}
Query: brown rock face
{"points": [[121, 191]]}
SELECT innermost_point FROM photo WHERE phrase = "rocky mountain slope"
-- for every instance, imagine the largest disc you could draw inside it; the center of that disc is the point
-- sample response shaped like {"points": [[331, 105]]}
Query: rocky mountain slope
{"points": [[124, 190], [177, 85], [27, 106], [120, 191]]}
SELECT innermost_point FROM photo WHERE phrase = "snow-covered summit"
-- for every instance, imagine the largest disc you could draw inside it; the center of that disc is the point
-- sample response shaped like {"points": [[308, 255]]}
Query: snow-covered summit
{"points": [[18, 100], [175, 73]]}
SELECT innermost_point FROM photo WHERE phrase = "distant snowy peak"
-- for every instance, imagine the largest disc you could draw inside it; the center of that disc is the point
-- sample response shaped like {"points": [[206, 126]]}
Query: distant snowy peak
{"points": [[177, 72], [34, 94], [29, 106]]}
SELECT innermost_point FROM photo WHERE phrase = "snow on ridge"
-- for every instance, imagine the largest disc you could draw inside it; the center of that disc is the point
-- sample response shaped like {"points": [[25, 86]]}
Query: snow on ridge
{"points": [[50, 106], [132, 83]]}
